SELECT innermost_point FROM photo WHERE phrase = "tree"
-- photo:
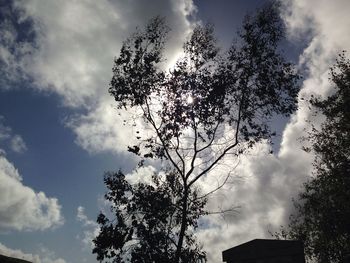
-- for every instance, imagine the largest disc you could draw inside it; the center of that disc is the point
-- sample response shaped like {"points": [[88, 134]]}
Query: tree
{"points": [[151, 211], [322, 213], [209, 106]]}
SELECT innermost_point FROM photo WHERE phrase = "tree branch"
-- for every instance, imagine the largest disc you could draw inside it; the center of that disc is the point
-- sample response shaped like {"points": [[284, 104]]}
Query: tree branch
{"points": [[227, 149]]}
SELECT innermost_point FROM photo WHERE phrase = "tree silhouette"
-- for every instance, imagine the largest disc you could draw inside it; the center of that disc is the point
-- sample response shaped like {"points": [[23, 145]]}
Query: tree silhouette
{"points": [[209, 106], [322, 213], [150, 212]]}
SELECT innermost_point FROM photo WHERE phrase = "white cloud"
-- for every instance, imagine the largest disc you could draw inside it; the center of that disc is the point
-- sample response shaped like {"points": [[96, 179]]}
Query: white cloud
{"points": [[45, 255], [76, 41], [14, 141], [5, 132], [260, 189], [91, 228], [13, 52], [102, 129], [48, 256], [73, 52], [22, 208], [141, 175], [17, 144]]}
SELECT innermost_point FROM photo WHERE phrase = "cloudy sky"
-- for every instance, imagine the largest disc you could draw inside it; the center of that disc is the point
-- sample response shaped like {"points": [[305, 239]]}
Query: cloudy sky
{"points": [[59, 130]]}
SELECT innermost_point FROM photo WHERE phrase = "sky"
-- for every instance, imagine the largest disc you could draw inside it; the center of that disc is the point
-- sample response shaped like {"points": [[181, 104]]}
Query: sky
{"points": [[60, 131]]}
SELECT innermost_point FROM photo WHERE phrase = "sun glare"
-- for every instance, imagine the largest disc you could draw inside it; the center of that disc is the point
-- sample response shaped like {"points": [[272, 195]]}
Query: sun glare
{"points": [[189, 100]]}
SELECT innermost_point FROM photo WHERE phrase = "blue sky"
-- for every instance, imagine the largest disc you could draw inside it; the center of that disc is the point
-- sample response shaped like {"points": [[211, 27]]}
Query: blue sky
{"points": [[59, 131]]}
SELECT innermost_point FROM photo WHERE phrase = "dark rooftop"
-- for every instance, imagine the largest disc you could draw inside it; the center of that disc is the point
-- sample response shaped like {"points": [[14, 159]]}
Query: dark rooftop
{"points": [[4, 259], [266, 250]]}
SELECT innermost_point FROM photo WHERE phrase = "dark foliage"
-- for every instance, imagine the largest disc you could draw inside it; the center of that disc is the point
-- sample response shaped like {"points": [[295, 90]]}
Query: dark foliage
{"points": [[323, 209], [208, 106], [147, 221]]}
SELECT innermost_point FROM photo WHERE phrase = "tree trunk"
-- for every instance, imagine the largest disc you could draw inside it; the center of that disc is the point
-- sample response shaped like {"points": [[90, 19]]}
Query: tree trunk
{"points": [[183, 226]]}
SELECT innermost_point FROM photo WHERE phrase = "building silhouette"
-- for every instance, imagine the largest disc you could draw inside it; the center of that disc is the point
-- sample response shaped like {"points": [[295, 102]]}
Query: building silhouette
{"points": [[266, 251], [5, 259]]}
